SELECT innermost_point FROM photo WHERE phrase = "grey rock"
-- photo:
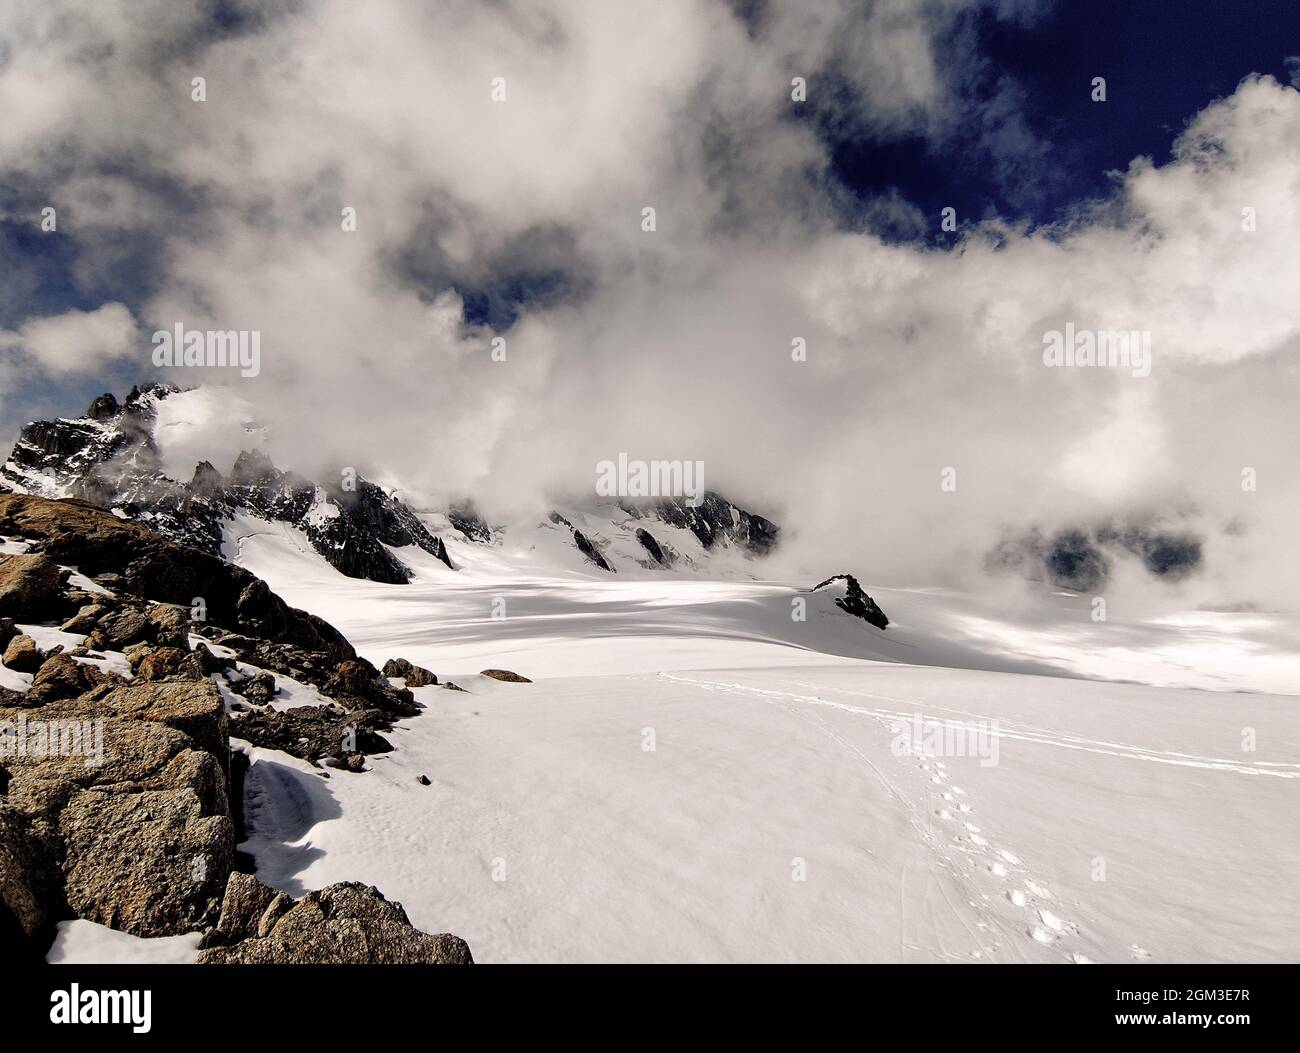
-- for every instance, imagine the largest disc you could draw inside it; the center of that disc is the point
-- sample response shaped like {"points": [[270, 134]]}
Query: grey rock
{"points": [[344, 924], [148, 863]]}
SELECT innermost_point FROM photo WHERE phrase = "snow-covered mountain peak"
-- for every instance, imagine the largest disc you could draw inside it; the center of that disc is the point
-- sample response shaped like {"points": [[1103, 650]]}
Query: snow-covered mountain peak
{"points": [[149, 459]]}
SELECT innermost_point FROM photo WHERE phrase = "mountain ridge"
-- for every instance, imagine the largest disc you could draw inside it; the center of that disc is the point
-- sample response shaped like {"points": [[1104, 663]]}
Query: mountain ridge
{"points": [[110, 458]]}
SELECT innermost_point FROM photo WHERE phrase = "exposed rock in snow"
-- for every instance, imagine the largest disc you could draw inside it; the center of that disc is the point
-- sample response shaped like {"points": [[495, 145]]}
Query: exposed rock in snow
{"points": [[657, 553], [850, 598], [414, 675], [344, 924], [465, 518], [584, 543], [505, 675], [714, 520]]}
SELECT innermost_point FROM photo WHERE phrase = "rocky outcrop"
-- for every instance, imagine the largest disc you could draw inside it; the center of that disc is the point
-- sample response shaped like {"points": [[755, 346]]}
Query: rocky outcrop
{"points": [[653, 548], [414, 675], [715, 520], [21, 655], [465, 518], [109, 459], [344, 924], [32, 585], [851, 599], [584, 543], [61, 676], [150, 863], [257, 690], [316, 733], [119, 812], [121, 804], [589, 550], [142, 563]]}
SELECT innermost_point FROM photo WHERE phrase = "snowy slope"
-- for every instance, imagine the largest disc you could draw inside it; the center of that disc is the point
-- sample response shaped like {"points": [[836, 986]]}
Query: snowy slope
{"points": [[1120, 821]]}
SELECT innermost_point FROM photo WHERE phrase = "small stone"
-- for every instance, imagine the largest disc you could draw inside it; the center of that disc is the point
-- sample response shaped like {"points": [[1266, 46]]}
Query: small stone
{"points": [[505, 675]]}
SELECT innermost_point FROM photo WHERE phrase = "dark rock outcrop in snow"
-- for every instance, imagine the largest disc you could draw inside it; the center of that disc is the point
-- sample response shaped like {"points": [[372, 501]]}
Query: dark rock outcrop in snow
{"points": [[505, 675], [465, 518], [714, 520], [583, 542], [414, 675], [855, 601], [313, 733], [590, 551], [655, 550]]}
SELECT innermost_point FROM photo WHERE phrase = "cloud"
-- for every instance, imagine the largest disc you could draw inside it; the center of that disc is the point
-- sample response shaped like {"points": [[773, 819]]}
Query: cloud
{"points": [[76, 340], [676, 343]]}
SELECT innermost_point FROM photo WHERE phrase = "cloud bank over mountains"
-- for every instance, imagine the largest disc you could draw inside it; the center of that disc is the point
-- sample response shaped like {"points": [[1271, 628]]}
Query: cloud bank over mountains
{"points": [[522, 219]]}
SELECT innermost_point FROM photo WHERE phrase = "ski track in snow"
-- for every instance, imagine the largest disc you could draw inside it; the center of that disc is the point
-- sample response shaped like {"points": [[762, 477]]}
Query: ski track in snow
{"points": [[1279, 770], [1041, 925]]}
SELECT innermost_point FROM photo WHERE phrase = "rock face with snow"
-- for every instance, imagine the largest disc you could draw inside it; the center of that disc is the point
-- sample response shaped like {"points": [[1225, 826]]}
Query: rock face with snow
{"points": [[621, 531], [715, 520], [850, 598], [653, 548], [132, 822], [102, 546], [109, 458]]}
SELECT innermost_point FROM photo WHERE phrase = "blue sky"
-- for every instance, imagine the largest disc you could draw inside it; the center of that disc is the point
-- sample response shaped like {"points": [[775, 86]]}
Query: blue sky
{"points": [[1163, 61]]}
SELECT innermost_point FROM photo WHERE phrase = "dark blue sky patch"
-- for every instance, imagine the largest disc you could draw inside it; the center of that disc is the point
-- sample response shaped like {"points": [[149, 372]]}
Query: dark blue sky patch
{"points": [[539, 268], [37, 272], [1030, 142]]}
